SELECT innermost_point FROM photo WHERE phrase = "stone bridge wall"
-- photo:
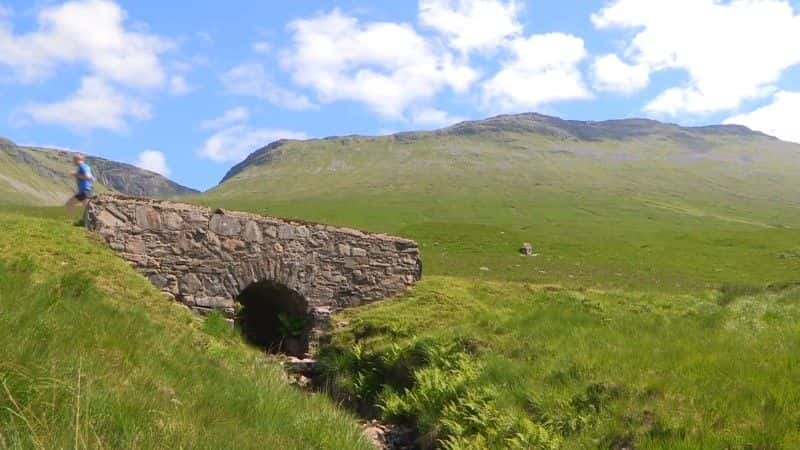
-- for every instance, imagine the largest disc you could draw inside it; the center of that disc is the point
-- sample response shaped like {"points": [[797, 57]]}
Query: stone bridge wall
{"points": [[206, 258]]}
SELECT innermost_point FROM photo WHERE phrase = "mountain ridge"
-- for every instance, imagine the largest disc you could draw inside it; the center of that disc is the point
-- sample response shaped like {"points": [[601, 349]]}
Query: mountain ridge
{"points": [[531, 122], [42, 176]]}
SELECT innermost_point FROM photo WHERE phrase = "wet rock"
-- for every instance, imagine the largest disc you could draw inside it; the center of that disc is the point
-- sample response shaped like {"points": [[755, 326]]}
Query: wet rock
{"points": [[390, 437], [294, 364]]}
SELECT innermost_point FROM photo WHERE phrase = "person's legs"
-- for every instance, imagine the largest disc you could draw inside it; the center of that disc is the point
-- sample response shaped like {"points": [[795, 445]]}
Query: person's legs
{"points": [[71, 203], [75, 202]]}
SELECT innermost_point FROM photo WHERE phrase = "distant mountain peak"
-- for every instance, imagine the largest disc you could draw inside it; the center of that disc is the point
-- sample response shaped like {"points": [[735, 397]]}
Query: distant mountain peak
{"points": [[259, 156]]}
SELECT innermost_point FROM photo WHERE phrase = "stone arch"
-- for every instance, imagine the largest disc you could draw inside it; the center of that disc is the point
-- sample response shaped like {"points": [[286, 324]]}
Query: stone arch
{"points": [[275, 317], [207, 258]]}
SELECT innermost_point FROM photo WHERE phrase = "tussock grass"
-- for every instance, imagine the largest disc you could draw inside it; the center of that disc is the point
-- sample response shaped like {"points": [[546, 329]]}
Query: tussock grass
{"points": [[93, 357], [569, 369]]}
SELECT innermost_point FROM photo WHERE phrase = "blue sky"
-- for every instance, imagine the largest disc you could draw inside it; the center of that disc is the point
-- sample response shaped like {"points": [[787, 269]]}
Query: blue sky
{"points": [[190, 91]]}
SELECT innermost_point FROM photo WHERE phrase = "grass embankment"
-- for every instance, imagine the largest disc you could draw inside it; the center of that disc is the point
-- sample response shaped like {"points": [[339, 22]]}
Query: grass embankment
{"points": [[94, 357], [477, 364]]}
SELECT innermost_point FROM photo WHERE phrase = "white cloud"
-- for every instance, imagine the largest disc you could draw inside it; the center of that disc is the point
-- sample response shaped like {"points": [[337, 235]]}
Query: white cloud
{"points": [[121, 62], [387, 66], [96, 105], [252, 80], [229, 117], [610, 73], [432, 117], [233, 144], [178, 85], [543, 69], [472, 24], [89, 32], [154, 161], [732, 51], [778, 119]]}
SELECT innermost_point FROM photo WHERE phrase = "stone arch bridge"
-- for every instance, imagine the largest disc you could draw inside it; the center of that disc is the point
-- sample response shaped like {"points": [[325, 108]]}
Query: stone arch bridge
{"points": [[229, 261]]}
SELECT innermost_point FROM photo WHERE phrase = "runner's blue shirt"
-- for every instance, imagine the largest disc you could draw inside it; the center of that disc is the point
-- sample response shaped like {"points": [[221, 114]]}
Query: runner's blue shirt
{"points": [[85, 185]]}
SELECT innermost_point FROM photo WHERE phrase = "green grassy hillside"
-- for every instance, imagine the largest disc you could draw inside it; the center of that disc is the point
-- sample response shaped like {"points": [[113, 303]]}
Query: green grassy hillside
{"points": [[616, 204], [20, 184], [43, 177], [94, 357], [661, 312]]}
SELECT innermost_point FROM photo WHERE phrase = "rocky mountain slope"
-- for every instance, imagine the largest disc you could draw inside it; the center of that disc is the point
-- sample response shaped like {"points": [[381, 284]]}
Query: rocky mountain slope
{"points": [[38, 176]]}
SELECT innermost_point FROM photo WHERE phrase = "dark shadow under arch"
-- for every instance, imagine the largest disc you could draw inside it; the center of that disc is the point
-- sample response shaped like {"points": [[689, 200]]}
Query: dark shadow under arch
{"points": [[275, 318]]}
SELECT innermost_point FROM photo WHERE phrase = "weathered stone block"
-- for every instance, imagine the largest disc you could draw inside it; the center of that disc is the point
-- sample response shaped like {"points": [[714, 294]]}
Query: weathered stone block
{"points": [[159, 281], [107, 220], [252, 232], [212, 240], [190, 284], [173, 220], [196, 217], [225, 225], [214, 302], [232, 245], [186, 242], [286, 232], [135, 245], [302, 232], [147, 218]]}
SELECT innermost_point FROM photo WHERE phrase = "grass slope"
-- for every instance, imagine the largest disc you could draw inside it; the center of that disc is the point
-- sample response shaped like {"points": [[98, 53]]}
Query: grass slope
{"points": [[43, 177], [20, 184], [93, 357], [578, 369]]}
